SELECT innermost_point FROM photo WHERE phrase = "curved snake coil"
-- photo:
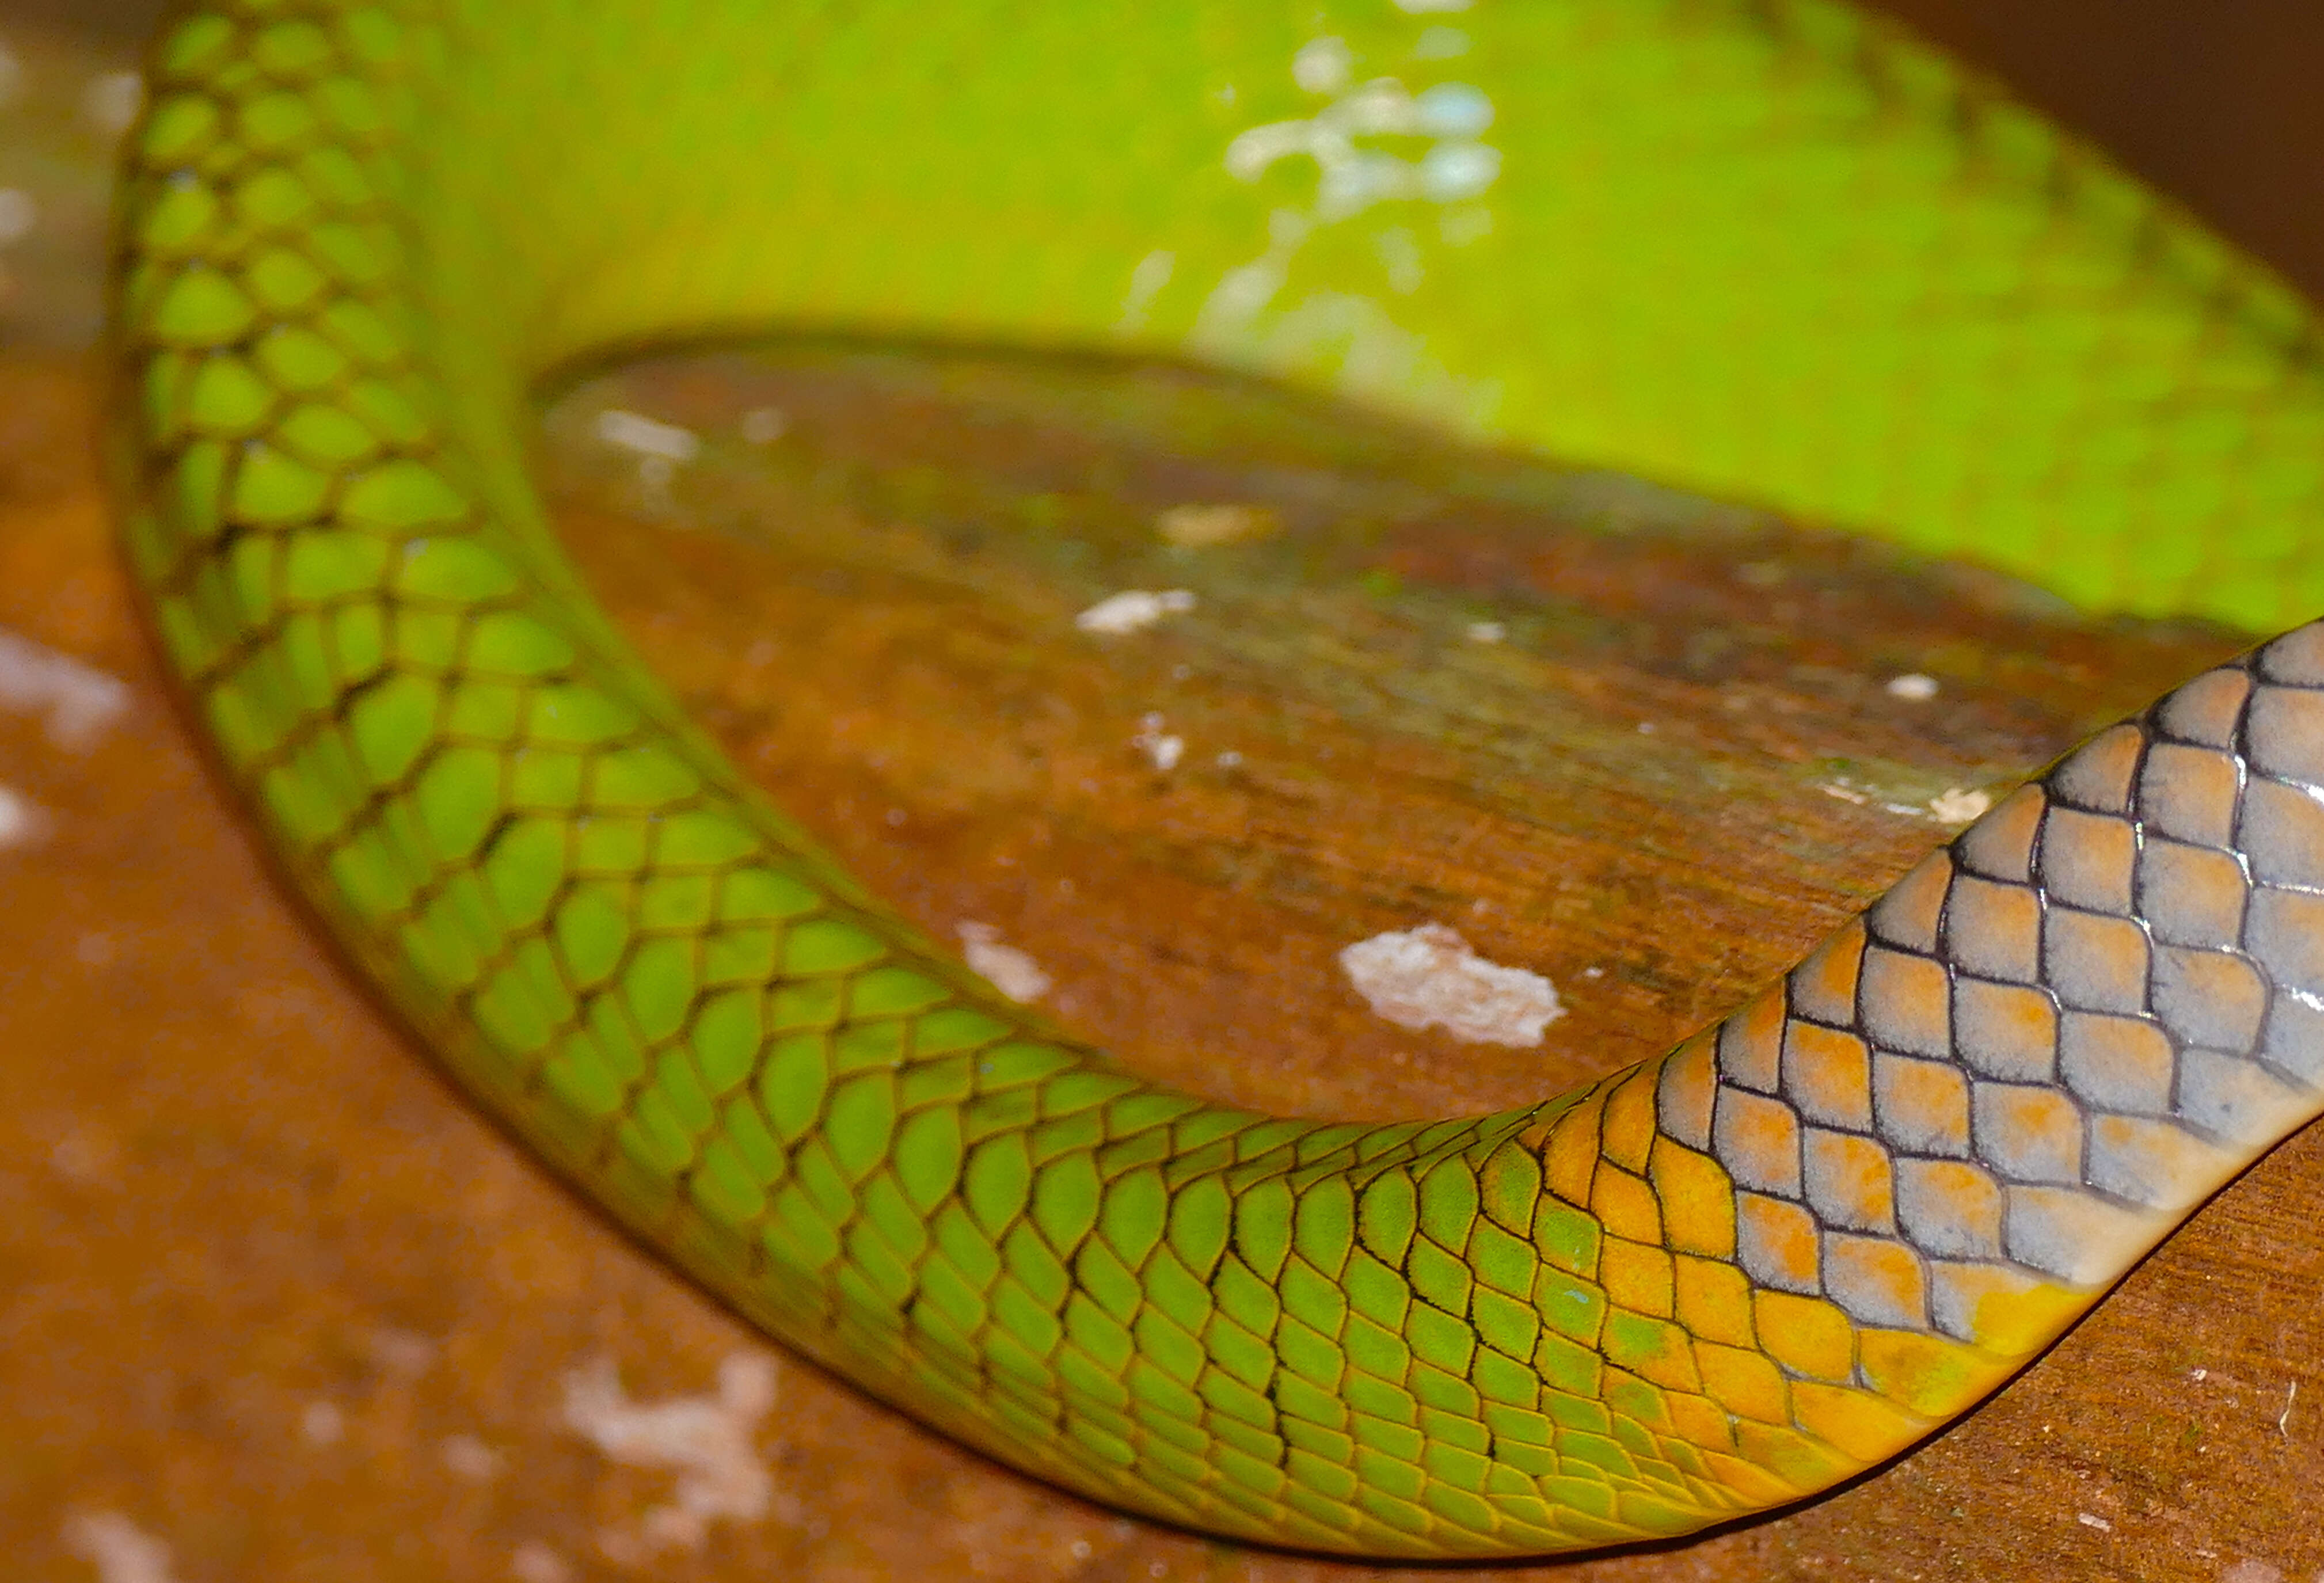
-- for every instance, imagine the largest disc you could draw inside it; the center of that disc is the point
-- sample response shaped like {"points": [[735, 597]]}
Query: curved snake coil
{"points": [[1762, 247]]}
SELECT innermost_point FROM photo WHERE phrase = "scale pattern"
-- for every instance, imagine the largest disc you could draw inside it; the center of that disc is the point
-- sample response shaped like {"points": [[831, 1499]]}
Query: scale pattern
{"points": [[1707, 1284]]}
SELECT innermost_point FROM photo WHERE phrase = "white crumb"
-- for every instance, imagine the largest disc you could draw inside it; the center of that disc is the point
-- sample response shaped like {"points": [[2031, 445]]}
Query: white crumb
{"points": [[1161, 750], [18, 214], [535, 1563], [1486, 632], [763, 425], [81, 701], [1200, 527], [1957, 806], [322, 1423], [1912, 685], [404, 1354], [1133, 609], [2253, 1572], [120, 1550], [2090, 1521], [22, 820], [1429, 977], [88, 1156], [112, 100], [707, 1440], [647, 436], [1004, 967], [465, 1456], [1322, 65]]}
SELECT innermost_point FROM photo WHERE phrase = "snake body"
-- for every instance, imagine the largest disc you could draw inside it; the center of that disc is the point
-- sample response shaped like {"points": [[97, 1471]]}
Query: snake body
{"points": [[1761, 247]]}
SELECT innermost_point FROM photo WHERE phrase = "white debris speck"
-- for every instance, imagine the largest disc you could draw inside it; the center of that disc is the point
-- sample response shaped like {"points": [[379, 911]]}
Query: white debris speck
{"points": [[535, 1563], [1429, 977], [1452, 109], [1846, 794], [1955, 805], [647, 436], [2283, 1419], [2198, 1374], [1199, 527], [81, 701], [467, 1457], [1912, 685], [1162, 750], [1486, 632], [1351, 177], [112, 100], [18, 214], [1400, 255], [1454, 170], [1133, 609], [120, 1550], [1645, 728], [1229, 759], [88, 1156], [1322, 66], [2253, 1572], [1147, 278], [322, 1423], [405, 1355], [2089, 1520], [21, 821], [1004, 967], [762, 425], [706, 1438]]}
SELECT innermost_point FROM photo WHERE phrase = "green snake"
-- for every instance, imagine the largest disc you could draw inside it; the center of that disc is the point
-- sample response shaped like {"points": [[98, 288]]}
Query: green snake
{"points": [[1768, 249]]}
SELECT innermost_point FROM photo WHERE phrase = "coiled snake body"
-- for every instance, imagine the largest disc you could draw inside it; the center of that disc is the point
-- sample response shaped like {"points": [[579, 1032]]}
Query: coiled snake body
{"points": [[1768, 248]]}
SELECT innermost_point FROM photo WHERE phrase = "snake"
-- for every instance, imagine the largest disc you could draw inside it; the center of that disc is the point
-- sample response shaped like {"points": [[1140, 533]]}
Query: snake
{"points": [[1777, 251]]}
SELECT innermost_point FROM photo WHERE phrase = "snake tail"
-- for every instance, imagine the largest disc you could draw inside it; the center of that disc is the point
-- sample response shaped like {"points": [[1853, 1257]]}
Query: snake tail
{"points": [[1773, 250]]}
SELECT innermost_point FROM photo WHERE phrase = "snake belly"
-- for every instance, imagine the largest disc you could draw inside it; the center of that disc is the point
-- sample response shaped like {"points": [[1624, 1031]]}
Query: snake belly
{"points": [[1773, 250]]}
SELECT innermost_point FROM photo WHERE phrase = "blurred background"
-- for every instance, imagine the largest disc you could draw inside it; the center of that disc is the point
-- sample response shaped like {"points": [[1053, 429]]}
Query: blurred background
{"points": [[2217, 103]]}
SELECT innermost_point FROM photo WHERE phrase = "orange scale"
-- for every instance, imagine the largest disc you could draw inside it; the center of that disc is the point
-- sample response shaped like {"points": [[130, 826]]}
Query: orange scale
{"points": [[1857, 1424], [1806, 1335], [1697, 1199], [1744, 1382], [1626, 1205], [1713, 1300]]}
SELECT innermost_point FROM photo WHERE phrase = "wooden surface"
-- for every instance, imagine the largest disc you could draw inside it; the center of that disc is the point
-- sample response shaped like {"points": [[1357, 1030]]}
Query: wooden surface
{"points": [[269, 1293]]}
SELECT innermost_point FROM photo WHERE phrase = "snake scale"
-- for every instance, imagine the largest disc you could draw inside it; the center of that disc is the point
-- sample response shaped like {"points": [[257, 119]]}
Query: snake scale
{"points": [[1765, 248]]}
